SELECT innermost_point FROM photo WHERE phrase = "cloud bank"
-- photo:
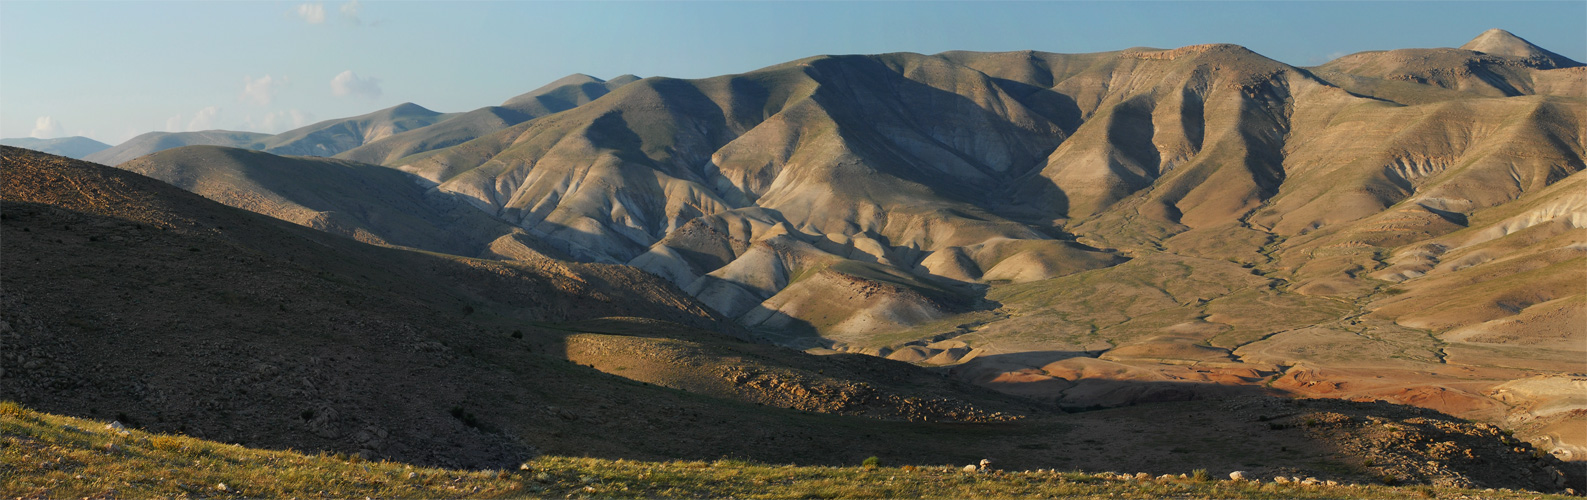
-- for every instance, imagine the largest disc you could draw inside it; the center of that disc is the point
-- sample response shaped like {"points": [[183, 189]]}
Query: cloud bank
{"points": [[312, 13], [278, 121], [350, 10], [349, 83], [261, 90], [47, 128], [203, 119]]}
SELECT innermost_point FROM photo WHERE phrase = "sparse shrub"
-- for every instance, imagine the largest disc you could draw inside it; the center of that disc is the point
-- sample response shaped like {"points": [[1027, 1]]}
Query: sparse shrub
{"points": [[1426, 491], [12, 409], [307, 415], [871, 463], [517, 334], [1200, 475], [467, 418], [1389, 479], [1369, 462], [467, 310], [1311, 422]]}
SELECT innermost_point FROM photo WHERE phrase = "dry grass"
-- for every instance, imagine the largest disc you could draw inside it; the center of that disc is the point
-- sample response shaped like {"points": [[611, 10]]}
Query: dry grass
{"points": [[48, 456]]}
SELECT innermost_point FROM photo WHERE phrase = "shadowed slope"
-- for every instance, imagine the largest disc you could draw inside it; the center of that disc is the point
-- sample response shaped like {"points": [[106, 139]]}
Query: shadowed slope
{"points": [[182, 314], [360, 201]]}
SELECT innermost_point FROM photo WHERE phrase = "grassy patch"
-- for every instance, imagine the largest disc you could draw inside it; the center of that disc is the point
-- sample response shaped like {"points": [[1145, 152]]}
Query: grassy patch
{"points": [[51, 456]]}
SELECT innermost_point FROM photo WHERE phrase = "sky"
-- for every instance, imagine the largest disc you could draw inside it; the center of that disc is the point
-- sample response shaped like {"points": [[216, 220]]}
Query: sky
{"points": [[113, 70]]}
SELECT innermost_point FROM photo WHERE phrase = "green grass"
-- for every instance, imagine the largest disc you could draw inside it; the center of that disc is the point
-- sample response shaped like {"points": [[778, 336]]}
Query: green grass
{"points": [[58, 457]]}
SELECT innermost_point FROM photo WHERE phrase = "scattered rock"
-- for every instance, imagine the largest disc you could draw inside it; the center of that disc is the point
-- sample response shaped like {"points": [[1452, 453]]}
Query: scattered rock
{"points": [[1238, 475], [1281, 480], [222, 487]]}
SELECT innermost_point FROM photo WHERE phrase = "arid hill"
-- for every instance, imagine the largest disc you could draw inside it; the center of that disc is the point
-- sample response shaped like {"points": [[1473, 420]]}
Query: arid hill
{"points": [[126, 298], [1413, 215], [1404, 225]]}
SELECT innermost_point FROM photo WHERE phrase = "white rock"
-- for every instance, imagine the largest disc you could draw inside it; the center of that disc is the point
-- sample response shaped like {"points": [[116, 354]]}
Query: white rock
{"points": [[115, 426], [970, 468], [1238, 475], [221, 487], [1280, 479]]}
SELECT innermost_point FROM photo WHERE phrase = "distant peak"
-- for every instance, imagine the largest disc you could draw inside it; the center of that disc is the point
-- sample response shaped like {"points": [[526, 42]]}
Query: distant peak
{"points": [[1503, 43], [1500, 42], [410, 108], [575, 79]]}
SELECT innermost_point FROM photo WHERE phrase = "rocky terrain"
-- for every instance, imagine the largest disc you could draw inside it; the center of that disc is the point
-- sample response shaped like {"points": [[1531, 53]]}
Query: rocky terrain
{"points": [[1085, 229]]}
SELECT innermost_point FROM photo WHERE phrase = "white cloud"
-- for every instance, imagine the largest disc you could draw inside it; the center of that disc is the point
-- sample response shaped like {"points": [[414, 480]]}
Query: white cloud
{"points": [[278, 121], [349, 83], [261, 90], [47, 128], [350, 10], [204, 119], [312, 13]]}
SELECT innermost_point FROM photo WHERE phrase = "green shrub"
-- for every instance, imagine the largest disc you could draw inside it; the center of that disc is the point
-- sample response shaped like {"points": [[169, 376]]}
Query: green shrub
{"points": [[871, 463], [1200, 475]]}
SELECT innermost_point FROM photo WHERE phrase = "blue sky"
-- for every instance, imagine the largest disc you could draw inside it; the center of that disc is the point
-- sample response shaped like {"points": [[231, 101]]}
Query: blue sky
{"points": [[111, 70]]}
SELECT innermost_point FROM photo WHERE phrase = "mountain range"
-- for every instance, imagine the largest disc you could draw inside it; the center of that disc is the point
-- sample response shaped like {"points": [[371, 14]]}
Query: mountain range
{"points": [[1074, 230]]}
